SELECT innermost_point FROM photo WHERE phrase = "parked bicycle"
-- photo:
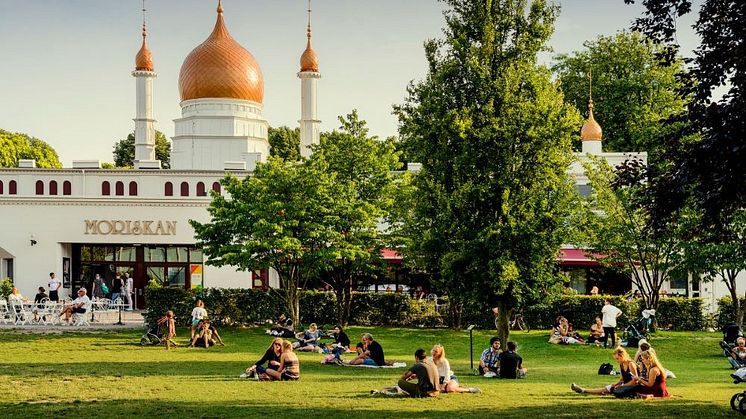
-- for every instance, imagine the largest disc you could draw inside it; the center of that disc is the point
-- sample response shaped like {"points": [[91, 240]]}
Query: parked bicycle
{"points": [[518, 322]]}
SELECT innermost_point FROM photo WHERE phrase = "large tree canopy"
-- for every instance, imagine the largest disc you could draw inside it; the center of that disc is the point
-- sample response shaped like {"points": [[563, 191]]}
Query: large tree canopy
{"points": [[124, 151], [494, 136], [633, 90], [709, 172], [284, 142], [16, 146]]}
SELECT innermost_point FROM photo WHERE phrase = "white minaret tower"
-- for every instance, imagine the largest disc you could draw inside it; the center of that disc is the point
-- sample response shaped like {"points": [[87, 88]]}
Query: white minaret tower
{"points": [[144, 123], [309, 76]]}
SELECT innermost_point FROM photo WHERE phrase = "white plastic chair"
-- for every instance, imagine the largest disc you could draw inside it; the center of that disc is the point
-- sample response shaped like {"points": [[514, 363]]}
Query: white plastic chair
{"points": [[50, 314], [22, 316], [81, 319], [5, 314]]}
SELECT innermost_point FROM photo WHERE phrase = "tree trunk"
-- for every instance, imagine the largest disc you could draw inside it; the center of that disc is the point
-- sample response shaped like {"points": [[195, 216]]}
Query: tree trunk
{"points": [[340, 304], [347, 303], [503, 317], [455, 309]]}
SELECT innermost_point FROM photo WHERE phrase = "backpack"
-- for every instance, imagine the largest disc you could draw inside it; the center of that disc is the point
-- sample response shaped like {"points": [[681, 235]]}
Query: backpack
{"points": [[605, 369]]}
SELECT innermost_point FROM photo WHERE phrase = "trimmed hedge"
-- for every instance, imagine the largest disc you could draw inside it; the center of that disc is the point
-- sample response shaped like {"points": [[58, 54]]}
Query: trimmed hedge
{"points": [[247, 307], [726, 312]]}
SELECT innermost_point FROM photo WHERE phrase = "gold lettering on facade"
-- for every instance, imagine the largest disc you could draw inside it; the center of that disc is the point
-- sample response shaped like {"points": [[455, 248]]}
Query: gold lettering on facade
{"points": [[130, 227]]}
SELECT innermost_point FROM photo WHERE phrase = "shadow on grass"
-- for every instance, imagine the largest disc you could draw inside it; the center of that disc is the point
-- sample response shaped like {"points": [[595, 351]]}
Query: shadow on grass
{"points": [[364, 407]]}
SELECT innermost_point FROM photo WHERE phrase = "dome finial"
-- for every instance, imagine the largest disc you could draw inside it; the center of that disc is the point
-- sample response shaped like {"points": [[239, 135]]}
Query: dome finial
{"points": [[309, 61], [220, 7], [591, 130], [144, 59]]}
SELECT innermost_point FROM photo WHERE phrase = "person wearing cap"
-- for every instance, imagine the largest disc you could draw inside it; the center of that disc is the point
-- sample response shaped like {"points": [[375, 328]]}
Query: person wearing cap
{"points": [[489, 362]]}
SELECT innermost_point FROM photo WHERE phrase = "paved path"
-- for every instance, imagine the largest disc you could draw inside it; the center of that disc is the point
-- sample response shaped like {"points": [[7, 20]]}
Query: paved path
{"points": [[103, 321]]}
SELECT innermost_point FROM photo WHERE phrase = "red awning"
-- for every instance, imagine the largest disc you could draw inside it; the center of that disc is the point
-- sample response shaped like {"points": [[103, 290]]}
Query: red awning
{"points": [[576, 257], [391, 256]]}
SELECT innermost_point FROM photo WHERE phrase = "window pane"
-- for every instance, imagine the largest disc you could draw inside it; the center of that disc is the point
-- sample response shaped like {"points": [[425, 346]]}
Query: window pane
{"points": [[195, 255], [156, 272], [176, 254], [155, 254], [176, 276], [108, 253], [125, 254]]}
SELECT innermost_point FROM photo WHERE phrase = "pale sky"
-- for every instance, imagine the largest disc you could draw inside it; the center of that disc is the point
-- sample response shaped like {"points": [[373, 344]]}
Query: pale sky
{"points": [[65, 74]]}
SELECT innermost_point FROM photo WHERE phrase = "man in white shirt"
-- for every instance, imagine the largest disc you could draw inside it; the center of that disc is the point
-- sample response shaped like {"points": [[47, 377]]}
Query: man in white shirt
{"points": [[79, 305], [129, 285], [54, 286], [610, 314]]}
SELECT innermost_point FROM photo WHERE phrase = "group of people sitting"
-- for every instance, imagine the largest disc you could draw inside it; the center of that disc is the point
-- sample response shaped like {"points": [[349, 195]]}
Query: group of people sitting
{"points": [[281, 363], [495, 362], [643, 376]]}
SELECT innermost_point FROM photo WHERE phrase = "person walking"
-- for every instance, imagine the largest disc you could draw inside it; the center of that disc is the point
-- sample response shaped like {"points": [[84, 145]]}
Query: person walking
{"points": [[116, 287], [128, 289], [609, 314], [54, 286]]}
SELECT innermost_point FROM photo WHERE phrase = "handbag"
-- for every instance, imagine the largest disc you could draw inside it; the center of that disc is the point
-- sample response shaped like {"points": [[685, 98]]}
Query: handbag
{"points": [[104, 288]]}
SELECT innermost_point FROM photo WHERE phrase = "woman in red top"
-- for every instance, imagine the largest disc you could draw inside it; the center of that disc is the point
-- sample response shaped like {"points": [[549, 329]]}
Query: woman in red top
{"points": [[655, 383]]}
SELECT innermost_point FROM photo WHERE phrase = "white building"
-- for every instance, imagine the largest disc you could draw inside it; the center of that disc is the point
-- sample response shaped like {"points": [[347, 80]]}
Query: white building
{"points": [[84, 220]]}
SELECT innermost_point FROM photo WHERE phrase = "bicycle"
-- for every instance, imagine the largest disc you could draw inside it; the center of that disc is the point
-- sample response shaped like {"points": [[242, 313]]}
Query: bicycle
{"points": [[517, 323]]}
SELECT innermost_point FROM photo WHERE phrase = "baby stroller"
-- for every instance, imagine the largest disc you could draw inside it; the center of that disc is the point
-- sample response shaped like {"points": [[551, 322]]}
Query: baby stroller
{"points": [[731, 334], [153, 336], [638, 329], [738, 400]]}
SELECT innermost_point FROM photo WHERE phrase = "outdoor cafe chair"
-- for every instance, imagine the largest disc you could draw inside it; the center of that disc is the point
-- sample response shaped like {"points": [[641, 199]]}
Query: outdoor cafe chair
{"points": [[22, 315], [6, 316]]}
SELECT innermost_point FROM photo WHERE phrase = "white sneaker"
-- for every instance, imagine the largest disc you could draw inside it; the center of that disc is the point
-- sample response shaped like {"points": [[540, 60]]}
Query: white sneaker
{"points": [[244, 375]]}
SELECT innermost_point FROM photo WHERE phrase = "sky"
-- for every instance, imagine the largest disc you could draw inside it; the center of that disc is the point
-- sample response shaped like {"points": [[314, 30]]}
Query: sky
{"points": [[65, 71]]}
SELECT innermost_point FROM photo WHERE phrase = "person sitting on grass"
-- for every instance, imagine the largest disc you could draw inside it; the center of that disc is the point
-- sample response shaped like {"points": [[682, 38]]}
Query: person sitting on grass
{"points": [[654, 385], [425, 373], [561, 332], [207, 335], [341, 341], [170, 324], [447, 382], [289, 369], [283, 328], [626, 383], [511, 364], [271, 357], [372, 355], [489, 362], [310, 340], [597, 335], [78, 306]]}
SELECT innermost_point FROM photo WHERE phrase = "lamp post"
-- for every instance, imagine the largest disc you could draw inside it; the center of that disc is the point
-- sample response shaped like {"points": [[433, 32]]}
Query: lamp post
{"points": [[471, 346]]}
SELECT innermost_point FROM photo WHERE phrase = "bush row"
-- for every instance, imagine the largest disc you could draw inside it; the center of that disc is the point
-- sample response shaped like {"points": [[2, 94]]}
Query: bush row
{"points": [[248, 307]]}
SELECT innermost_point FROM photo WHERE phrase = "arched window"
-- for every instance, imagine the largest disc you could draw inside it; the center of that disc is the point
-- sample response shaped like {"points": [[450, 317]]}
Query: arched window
{"points": [[201, 189], [120, 188], [133, 188], [216, 187], [39, 187], [12, 187], [53, 187], [105, 188], [184, 189], [1, 187], [168, 189], [67, 188]]}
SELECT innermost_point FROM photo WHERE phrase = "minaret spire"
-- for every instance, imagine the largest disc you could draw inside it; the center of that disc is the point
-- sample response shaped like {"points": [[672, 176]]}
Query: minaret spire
{"points": [[309, 75], [591, 132], [144, 122]]}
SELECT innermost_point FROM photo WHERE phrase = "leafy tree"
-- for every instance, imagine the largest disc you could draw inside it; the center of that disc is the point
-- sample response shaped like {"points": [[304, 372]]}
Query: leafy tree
{"points": [[616, 224], [362, 167], [633, 90], [15, 146], [284, 143], [278, 218], [493, 135], [124, 151], [709, 172]]}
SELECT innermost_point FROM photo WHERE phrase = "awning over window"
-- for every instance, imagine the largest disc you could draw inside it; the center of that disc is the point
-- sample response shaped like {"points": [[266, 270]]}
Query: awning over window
{"points": [[576, 257], [391, 256]]}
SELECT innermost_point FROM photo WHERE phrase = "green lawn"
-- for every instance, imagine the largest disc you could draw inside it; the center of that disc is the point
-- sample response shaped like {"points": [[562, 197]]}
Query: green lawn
{"points": [[107, 374]]}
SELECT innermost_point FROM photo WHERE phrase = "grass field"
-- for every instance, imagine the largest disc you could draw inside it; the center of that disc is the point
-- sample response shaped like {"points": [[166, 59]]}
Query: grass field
{"points": [[107, 374]]}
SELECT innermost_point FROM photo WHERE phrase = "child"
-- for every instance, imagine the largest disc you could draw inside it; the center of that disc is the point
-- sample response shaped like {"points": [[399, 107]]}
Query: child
{"points": [[170, 323], [739, 353], [198, 313]]}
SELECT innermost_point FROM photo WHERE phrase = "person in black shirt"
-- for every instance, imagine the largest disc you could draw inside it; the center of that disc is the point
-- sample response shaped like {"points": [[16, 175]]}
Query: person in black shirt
{"points": [[373, 355], [425, 372], [271, 357], [341, 341], [511, 364]]}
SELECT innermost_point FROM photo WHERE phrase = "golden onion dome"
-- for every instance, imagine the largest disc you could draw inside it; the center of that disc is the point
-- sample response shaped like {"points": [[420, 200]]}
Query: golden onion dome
{"points": [[309, 61], [144, 59], [221, 68], [591, 130]]}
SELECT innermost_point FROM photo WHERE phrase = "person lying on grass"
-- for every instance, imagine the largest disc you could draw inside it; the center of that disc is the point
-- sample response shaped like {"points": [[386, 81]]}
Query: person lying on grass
{"points": [[626, 382], [447, 382]]}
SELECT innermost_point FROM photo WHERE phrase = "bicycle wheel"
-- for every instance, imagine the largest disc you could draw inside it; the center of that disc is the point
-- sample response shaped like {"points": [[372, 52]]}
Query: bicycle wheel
{"points": [[742, 405], [521, 323], [735, 401]]}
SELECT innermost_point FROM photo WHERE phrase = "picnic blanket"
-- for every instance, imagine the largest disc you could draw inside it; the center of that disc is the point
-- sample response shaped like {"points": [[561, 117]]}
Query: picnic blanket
{"points": [[394, 365]]}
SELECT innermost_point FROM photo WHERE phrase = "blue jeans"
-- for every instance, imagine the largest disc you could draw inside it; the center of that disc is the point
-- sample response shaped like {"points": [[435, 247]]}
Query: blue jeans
{"points": [[368, 361]]}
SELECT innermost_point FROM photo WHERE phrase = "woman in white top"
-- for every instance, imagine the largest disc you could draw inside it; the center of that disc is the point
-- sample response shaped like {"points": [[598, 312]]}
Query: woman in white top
{"points": [[198, 313], [447, 382]]}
